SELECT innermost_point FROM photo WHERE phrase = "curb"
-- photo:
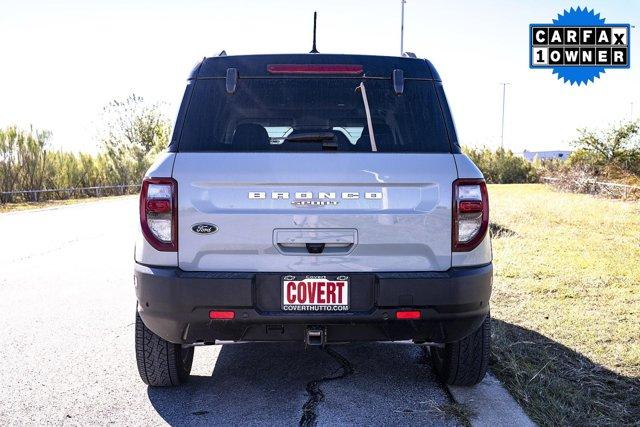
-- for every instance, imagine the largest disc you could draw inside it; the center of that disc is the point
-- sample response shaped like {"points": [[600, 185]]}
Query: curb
{"points": [[491, 404]]}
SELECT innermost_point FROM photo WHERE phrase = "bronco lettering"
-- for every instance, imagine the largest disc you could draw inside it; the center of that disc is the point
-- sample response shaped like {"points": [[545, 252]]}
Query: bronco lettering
{"points": [[307, 195]]}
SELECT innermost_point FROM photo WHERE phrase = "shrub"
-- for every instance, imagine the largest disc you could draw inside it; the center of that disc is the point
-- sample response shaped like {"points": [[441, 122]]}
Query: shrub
{"points": [[611, 152], [601, 158], [502, 166]]}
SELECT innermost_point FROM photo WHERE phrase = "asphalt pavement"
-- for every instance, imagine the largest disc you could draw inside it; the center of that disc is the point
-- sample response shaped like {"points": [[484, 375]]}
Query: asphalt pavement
{"points": [[66, 318]]}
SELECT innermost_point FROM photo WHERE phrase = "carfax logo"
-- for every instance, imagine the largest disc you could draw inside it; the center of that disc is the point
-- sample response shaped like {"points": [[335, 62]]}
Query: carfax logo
{"points": [[578, 46]]}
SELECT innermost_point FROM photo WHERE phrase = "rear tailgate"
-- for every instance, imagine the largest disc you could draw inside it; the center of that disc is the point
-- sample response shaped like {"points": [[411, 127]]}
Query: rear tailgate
{"points": [[371, 211]]}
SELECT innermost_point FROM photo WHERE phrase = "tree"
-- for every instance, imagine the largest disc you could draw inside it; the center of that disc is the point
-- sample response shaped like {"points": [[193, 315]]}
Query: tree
{"points": [[23, 159], [8, 149], [618, 146], [134, 133]]}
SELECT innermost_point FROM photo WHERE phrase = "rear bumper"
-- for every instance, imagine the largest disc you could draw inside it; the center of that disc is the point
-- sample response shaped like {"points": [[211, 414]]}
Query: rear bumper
{"points": [[175, 305]]}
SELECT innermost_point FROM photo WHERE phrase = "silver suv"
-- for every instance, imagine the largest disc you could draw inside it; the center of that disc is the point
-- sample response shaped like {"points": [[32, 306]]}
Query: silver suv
{"points": [[314, 198]]}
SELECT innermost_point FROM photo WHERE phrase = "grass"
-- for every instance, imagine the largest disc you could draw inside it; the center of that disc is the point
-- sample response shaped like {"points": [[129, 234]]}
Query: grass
{"points": [[23, 206], [461, 413], [566, 304]]}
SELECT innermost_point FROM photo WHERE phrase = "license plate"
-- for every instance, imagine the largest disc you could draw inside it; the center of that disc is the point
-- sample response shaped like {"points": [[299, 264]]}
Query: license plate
{"points": [[315, 293]]}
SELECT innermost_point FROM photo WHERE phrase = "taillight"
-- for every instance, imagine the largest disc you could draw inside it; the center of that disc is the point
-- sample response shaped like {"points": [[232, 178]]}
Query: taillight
{"points": [[159, 213], [470, 214]]}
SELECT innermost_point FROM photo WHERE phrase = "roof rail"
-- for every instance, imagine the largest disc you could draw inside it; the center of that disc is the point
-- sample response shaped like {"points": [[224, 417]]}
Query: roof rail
{"points": [[409, 55]]}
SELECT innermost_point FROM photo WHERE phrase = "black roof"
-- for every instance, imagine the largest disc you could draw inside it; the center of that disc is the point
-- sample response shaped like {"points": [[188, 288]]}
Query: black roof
{"points": [[373, 66]]}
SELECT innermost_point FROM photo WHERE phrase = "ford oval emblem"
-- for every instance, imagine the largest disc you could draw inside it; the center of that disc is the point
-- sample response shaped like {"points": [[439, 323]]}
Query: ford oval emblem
{"points": [[204, 228]]}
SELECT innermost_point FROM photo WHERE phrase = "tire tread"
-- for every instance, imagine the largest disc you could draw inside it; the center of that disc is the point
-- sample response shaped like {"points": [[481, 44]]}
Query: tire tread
{"points": [[158, 360], [465, 362]]}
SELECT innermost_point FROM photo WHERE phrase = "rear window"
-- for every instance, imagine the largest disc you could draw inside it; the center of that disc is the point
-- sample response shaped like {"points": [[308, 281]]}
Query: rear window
{"points": [[313, 114]]}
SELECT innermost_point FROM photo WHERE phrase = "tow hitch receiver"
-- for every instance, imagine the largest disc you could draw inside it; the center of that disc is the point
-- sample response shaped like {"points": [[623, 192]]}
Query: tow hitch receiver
{"points": [[315, 336]]}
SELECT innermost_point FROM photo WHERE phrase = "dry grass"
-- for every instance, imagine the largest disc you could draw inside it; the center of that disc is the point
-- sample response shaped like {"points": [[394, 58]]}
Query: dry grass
{"points": [[456, 411], [566, 304]]}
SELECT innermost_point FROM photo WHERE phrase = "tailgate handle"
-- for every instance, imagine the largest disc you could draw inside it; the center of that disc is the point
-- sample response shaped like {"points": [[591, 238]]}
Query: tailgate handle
{"points": [[315, 248], [315, 241]]}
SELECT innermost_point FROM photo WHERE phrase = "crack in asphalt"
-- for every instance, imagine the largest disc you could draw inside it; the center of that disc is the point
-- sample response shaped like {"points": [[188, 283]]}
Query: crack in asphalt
{"points": [[316, 395]]}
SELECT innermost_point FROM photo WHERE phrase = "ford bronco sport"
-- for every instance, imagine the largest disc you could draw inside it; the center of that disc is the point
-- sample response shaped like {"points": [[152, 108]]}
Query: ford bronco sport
{"points": [[314, 198]]}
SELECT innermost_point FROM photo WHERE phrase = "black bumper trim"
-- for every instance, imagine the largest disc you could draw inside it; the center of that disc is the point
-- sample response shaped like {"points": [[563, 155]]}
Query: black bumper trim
{"points": [[175, 304]]}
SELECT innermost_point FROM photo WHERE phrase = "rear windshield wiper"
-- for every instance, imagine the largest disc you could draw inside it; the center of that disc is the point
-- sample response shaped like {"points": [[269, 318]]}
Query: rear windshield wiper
{"points": [[365, 101], [328, 139]]}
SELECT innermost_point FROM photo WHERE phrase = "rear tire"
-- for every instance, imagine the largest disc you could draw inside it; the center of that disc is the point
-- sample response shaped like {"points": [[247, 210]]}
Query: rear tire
{"points": [[160, 363], [464, 362]]}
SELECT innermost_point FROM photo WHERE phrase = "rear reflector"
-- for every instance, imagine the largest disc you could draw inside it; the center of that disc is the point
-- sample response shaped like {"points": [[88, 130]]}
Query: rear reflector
{"points": [[410, 314], [314, 69], [222, 315], [159, 206], [466, 207]]}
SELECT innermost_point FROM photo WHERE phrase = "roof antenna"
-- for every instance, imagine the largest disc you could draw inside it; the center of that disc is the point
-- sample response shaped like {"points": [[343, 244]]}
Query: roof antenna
{"points": [[313, 49]]}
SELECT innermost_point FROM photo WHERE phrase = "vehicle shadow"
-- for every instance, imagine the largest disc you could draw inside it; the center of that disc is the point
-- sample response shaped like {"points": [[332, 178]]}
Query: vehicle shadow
{"points": [[557, 385], [266, 384]]}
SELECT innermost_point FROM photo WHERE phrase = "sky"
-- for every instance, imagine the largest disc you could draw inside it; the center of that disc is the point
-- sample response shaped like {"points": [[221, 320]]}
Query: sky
{"points": [[63, 61]]}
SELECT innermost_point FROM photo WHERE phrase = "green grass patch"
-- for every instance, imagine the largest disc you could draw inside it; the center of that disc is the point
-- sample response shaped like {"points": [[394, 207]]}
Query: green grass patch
{"points": [[566, 304]]}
